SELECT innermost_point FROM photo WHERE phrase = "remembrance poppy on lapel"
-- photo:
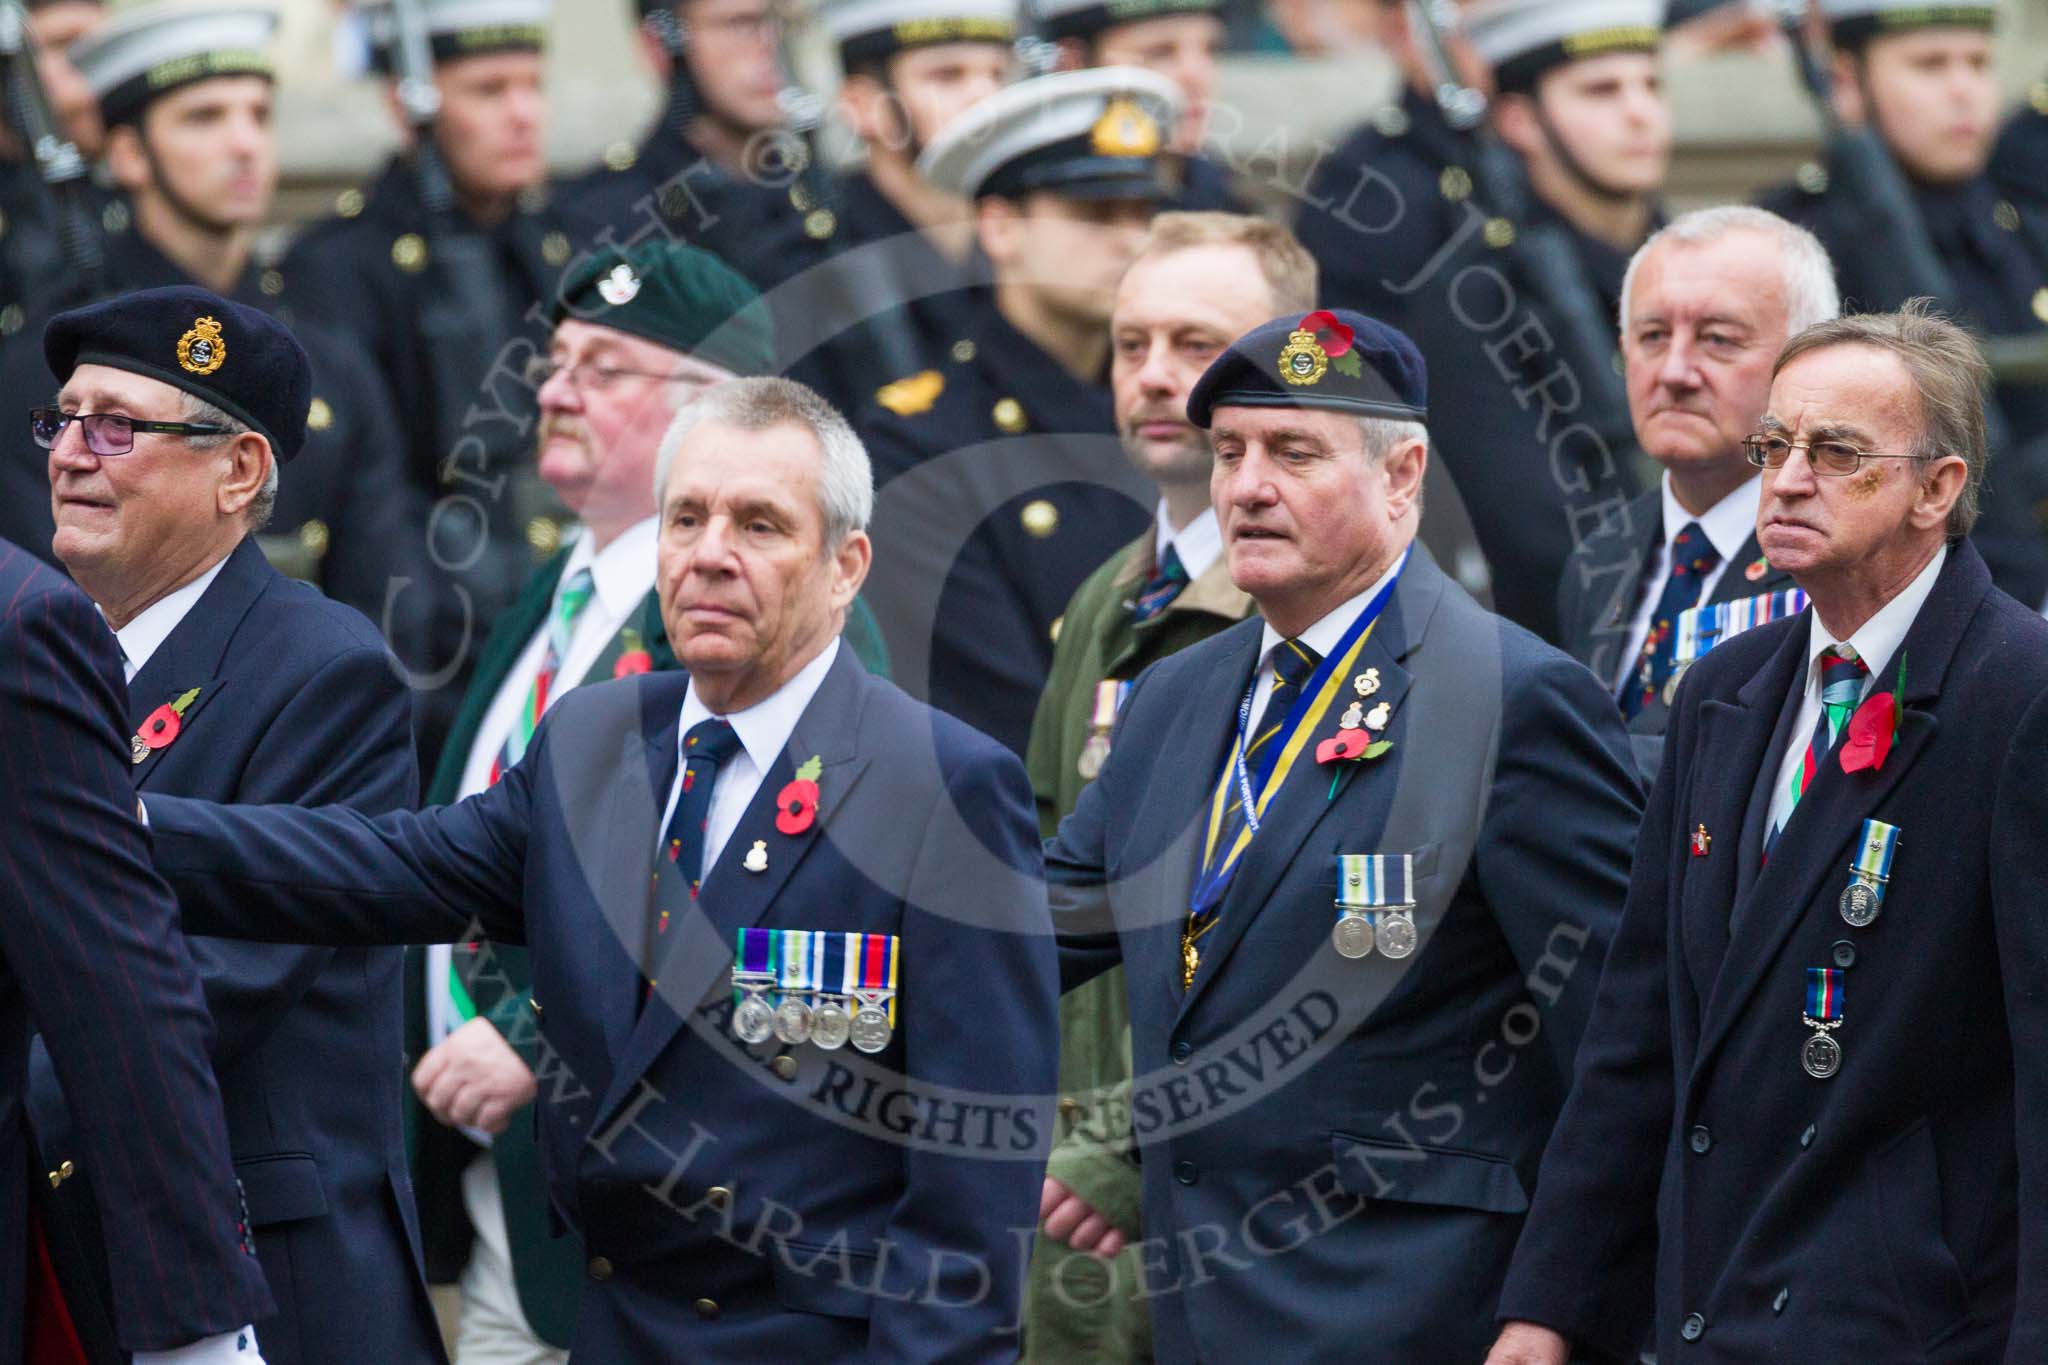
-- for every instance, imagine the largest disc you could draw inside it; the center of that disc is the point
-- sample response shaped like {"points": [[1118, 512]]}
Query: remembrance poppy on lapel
{"points": [[161, 727], [1873, 727], [1348, 745], [796, 805], [633, 658]]}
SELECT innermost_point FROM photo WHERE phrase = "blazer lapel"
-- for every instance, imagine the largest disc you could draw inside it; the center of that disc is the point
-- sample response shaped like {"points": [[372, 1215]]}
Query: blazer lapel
{"points": [[697, 951], [1816, 840], [190, 656], [1306, 799], [1734, 742]]}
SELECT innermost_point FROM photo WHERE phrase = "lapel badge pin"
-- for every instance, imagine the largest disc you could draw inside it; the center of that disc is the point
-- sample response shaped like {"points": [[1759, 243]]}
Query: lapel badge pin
{"points": [[796, 805], [1701, 842], [757, 857], [160, 727], [1366, 683]]}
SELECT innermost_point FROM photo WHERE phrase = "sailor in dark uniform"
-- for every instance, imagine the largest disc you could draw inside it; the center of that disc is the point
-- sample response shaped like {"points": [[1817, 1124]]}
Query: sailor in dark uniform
{"points": [[900, 279], [1181, 40], [1922, 77], [1003, 484]]}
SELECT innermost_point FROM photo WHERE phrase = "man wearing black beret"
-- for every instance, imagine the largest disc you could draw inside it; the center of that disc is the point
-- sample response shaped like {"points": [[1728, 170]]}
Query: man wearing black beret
{"points": [[176, 410], [1327, 848]]}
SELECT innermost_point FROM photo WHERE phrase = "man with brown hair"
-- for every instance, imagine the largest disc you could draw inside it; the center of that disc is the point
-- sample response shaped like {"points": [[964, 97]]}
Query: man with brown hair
{"points": [[1200, 281], [1823, 1007]]}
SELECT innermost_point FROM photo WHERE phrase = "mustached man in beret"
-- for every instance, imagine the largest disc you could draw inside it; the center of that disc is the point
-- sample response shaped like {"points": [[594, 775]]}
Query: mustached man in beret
{"points": [[638, 336], [177, 409], [186, 94], [1326, 848]]}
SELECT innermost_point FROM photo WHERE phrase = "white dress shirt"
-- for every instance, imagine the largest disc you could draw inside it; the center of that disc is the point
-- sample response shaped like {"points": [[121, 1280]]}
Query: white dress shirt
{"points": [[1322, 637], [229, 1348], [1728, 524], [153, 625], [1875, 643], [764, 730], [1199, 543], [622, 574]]}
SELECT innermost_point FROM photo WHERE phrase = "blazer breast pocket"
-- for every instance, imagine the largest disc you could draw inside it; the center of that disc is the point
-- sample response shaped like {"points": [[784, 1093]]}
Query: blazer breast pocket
{"points": [[281, 1188]]}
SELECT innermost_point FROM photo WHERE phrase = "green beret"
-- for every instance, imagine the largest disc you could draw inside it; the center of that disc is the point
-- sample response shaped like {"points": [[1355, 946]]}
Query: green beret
{"points": [[677, 296]]}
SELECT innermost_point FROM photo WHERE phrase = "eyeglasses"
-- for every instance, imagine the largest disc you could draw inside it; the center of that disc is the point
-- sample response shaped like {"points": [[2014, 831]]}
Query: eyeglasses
{"points": [[1835, 458], [106, 433], [591, 376]]}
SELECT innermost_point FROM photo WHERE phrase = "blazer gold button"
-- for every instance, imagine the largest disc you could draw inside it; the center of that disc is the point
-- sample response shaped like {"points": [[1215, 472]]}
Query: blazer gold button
{"points": [[707, 1309], [1070, 1108], [535, 1005], [718, 1197], [785, 1067], [600, 1268]]}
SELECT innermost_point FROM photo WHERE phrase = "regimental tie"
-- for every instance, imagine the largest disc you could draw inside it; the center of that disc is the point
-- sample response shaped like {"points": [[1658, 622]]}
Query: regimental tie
{"points": [[1161, 589], [1842, 675], [1693, 557], [1294, 663], [570, 600], [680, 868], [571, 597]]}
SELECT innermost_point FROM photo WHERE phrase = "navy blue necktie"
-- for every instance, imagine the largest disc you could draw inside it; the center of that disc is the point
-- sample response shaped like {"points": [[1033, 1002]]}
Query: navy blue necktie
{"points": [[1693, 557], [680, 866]]}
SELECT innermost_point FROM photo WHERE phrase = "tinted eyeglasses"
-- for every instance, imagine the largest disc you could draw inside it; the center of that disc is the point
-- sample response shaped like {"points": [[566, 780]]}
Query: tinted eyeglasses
{"points": [[106, 433]]}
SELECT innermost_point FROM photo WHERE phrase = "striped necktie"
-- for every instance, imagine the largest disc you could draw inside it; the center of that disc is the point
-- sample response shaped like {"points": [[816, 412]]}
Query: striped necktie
{"points": [[1161, 589], [570, 600], [1294, 663], [1842, 674], [680, 870]]}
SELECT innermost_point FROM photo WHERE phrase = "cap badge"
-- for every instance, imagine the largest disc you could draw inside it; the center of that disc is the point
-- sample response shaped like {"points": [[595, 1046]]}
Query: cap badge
{"points": [[1317, 342], [1125, 129], [620, 287], [201, 350]]}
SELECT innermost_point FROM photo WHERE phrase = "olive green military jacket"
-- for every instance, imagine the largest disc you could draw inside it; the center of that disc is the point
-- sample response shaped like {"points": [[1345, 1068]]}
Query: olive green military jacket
{"points": [[1077, 1307]]}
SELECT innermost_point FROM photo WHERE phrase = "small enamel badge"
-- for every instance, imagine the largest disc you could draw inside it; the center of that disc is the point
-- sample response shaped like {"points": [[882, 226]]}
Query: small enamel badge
{"points": [[620, 287], [201, 350], [757, 857], [1701, 842]]}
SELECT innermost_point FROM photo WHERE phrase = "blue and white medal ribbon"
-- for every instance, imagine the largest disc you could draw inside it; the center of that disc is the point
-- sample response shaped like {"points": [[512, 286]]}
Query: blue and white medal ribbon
{"points": [[1375, 904], [1863, 898]]}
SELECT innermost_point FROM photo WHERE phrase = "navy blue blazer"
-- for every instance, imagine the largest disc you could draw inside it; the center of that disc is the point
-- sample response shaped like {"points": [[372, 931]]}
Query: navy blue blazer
{"points": [[1601, 588], [297, 702], [1347, 1147], [1874, 1216], [91, 955], [739, 1204]]}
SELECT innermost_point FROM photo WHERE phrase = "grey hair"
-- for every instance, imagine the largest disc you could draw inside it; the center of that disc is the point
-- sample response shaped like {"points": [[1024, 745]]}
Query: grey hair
{"points": [[846, 480], [202, 413], [1382, 434], [1811, 295], [1949, 372]]}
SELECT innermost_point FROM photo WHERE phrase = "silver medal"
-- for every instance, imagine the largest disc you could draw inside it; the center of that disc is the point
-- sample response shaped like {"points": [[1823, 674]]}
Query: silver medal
{"points": [[1397, 934], [830, 1024], [1860, 904], [870, 1029], [752, 1020], [1353, 935], [1093, 755], [793, 1021], [1822, 1056]]}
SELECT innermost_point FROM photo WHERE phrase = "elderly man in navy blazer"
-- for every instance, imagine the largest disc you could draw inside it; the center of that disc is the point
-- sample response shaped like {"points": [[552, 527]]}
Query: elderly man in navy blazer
{"points": [[1360, 935], [178, 408], [90, 954], [794, 1086], [1813, 1095]]}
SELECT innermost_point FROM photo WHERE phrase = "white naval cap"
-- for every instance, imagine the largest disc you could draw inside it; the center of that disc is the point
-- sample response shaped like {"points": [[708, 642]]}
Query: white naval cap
{"points": [[1522, 39], [1852, 23], [1086, 18], [1093, 134], [143, 53], [463, 28], [874, 30]]}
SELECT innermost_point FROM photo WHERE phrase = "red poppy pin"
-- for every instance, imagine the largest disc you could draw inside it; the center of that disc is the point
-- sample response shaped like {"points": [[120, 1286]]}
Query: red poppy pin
{"points": [[1873, 726], [633, 656], [1335, 338], [161, 727], [796, 805]]}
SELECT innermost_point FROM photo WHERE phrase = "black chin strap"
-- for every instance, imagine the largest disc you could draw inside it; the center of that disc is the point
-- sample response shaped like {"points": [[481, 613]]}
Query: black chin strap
{"points": [[1574, 167]]}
